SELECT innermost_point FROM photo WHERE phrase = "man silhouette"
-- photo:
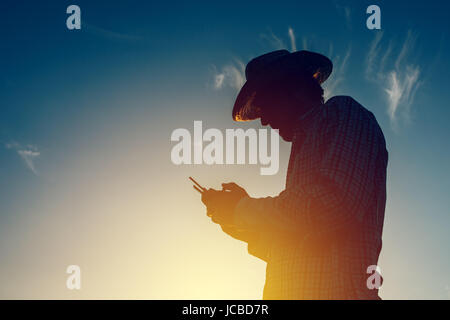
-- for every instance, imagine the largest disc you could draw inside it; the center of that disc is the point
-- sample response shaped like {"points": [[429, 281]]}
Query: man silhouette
{"points": [[320, 234]]}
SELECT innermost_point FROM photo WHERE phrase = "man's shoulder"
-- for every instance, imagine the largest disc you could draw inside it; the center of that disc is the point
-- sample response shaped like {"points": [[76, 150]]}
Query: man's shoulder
{"points": [[343, 104], [345, 109]]}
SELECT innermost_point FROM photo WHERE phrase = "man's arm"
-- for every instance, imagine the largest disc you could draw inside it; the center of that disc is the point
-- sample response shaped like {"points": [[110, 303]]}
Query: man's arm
{"points": [[220, 207], [256, 246], [339, 188]]}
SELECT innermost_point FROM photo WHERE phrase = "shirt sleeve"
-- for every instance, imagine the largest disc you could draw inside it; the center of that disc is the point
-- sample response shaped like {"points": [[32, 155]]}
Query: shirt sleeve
{"points": [[336, 191], [256, 245]]}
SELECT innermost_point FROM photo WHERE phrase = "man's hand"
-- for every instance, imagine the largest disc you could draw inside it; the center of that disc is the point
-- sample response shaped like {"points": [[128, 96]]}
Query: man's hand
{"points": [[209, 199], [236, 190], [220, 204]]}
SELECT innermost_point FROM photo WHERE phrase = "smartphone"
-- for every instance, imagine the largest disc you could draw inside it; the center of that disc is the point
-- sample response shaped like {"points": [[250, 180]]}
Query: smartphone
{"points": [[197, 185]]}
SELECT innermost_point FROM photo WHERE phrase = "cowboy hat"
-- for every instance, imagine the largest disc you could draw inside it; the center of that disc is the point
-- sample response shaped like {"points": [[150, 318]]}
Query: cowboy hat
{"points": [[274, 66]]}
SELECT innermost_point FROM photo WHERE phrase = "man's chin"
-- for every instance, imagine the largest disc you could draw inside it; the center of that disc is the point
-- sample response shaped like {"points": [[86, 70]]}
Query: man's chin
{"points": [[286, 135]]}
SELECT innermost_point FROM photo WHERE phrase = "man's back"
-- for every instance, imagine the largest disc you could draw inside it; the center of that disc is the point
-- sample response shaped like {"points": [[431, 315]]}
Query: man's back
{"points": [[336, 190]]}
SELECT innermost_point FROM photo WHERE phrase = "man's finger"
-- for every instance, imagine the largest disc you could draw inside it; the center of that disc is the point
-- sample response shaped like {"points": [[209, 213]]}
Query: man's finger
{"points": [[233, 187], [214, 219], [207, 195], [209, 212]]}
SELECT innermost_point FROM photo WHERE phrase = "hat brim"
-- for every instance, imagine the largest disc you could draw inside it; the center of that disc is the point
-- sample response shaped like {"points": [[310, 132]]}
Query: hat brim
{"points": [[244, 109]]}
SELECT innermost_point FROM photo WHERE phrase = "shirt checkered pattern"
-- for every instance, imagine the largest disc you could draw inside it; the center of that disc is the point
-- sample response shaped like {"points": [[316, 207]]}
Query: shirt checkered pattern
{"points": [[322, 232]]}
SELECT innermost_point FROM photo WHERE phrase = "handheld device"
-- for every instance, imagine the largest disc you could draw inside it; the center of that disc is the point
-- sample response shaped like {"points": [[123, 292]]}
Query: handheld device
{"points": [[197, 185]]}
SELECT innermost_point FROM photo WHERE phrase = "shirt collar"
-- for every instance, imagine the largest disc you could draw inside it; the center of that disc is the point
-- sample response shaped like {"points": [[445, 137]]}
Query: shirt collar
{"points": [[306, 118], [303, 122]]}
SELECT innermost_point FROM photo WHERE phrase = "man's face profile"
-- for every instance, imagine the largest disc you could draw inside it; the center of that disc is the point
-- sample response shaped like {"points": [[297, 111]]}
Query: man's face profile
{"points": [[278, 111]]}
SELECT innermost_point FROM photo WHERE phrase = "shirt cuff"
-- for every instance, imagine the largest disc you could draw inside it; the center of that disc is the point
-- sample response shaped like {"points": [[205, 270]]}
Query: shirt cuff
{"points": [[247, 216]]}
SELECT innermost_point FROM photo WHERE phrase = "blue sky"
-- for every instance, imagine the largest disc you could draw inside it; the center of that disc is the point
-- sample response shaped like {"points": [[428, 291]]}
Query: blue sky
{"points": [[86, 117]]}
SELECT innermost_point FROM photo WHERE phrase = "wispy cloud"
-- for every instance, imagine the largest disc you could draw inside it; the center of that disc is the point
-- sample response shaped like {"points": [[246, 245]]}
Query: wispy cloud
{"points": [[105, 33], [274, 41], [401, 90], [346, 12], [340, 63], [27, 153], [373, 54], [399, 82], [305, 43], [292, 38], [231, 75], [277, 43]]}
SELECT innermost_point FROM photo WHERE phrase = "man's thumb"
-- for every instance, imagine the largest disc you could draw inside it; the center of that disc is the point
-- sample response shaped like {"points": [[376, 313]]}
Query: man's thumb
{"points": [[231, 186]]}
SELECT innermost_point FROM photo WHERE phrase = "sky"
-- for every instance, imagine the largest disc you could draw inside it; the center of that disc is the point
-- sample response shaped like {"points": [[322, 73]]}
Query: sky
{"points": [[86, 176]]}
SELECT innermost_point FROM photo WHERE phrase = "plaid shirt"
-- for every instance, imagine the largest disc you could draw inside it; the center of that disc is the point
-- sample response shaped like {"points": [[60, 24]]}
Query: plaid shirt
{"points": [[322, 232]]}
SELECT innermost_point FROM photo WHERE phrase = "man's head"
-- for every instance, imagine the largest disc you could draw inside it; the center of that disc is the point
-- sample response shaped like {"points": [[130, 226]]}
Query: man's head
{"points": [[280, 87], [282, 103]]}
